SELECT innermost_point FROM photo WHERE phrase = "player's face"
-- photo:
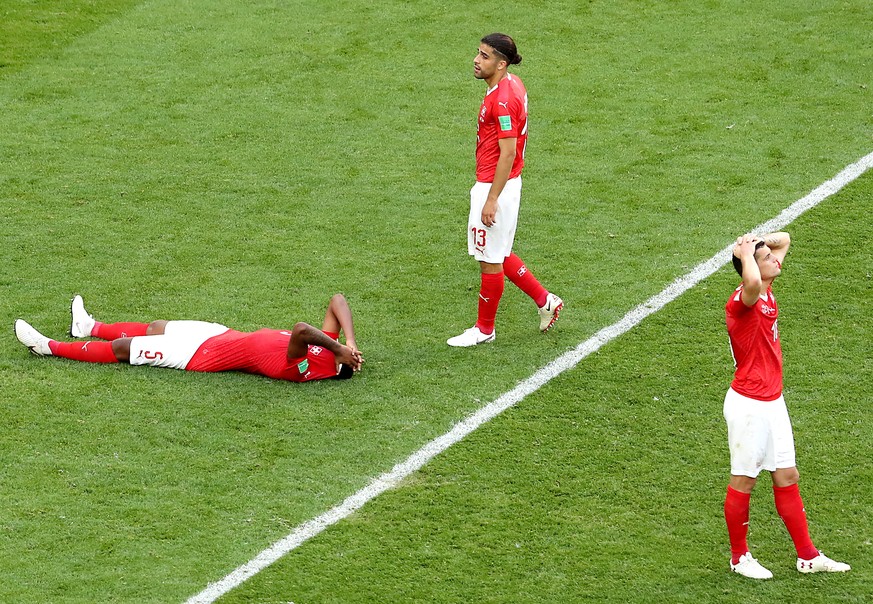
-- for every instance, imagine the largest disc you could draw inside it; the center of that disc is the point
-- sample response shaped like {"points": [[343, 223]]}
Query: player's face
{"points": [[768, 264], [486, 63]]}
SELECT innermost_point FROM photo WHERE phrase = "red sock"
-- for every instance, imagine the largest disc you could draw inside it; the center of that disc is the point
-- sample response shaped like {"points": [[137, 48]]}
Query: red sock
{"points": [[489, 300], [736, 515], [111, 331], [517, 272], [789, 505], [89, 352]]}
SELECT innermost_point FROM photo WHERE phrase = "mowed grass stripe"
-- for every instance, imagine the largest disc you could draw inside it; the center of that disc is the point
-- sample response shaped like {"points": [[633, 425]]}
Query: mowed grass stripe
{"points": [[567, 361]]}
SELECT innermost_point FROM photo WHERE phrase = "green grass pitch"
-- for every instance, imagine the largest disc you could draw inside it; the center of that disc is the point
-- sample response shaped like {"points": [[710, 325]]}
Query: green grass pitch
{"points": [[241, 162]]}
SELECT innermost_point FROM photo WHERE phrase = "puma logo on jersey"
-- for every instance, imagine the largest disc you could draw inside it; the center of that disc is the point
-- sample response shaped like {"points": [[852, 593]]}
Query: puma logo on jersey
{"points": [[504, 105]]}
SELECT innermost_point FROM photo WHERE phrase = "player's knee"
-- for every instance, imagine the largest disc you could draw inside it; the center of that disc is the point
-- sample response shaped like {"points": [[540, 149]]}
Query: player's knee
{"points": [[785, 477], [743, 484], [121, 349], [156, 328]]}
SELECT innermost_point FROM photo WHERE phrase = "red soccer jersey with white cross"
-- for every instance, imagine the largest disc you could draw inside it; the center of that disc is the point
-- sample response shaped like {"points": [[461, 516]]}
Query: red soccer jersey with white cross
{"points": [[503, 114], [754, 338], [264, 352]]}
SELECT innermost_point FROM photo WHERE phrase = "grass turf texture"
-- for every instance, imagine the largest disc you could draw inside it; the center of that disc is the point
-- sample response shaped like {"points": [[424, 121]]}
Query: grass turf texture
{"points": [[240, 163], [607, 484]]}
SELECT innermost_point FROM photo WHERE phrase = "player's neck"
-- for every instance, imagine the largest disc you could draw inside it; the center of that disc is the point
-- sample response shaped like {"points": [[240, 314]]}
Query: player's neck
{"points": [[495, 79]]}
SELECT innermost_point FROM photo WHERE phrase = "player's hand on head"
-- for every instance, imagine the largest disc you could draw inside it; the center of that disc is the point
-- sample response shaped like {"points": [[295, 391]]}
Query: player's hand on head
{"points": [[354, 347], [746, 245], [350, 357], [738, 246]]}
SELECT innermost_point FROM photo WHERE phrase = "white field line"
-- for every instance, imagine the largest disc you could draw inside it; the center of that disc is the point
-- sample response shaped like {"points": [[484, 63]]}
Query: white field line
{"points": [[568, 360]]}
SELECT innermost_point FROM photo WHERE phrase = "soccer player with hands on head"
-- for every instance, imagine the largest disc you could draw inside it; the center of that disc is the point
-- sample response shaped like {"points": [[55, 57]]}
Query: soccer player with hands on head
{"points": [[501, 138], [302, 354], [759, 429]]}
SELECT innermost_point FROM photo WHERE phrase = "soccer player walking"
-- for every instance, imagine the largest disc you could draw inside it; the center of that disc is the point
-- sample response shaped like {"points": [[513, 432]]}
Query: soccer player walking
{"points": [[501, 137], [759, 430]]}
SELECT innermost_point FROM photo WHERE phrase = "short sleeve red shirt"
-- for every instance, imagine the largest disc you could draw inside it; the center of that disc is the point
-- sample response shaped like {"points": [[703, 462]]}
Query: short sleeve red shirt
{"points": [[754, 339], [503, 114], [263, 352]]}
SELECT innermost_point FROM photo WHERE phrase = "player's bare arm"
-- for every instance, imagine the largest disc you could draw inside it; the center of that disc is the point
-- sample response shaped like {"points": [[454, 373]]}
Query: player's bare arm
{"points": [[501, 175], [338, 319], [778, 244], [752, 282], [304, 335]]}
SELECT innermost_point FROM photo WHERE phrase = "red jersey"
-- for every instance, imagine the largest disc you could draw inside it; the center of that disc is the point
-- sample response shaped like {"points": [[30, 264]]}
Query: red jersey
{"points": [[264, 352], [754, 338], [503, 114]]}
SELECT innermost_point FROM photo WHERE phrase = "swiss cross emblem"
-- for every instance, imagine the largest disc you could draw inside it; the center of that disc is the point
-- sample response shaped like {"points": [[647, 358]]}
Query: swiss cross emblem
{"points": [[316, 350]]}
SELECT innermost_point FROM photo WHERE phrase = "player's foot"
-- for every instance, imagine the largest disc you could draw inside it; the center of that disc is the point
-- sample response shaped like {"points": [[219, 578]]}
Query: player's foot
{"points": [[549, 311], [821, 564], [27, 335], [471, 337], [751, 568], [82, 322]]}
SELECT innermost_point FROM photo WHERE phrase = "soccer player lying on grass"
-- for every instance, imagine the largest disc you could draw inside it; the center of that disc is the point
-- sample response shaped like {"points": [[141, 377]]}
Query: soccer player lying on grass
{"points": [[759, 430], [302, 354]]}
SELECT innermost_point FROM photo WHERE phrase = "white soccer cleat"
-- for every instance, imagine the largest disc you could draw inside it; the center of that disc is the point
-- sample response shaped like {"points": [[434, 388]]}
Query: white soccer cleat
{"points": [[549, 312], [82, 322], [822, 564], [751, 568], [471, 337], [30, 337]]}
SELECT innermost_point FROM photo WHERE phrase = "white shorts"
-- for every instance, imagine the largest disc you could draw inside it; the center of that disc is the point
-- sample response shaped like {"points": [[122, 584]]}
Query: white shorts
{"points": [[759, 434], [493, 244], [176, 346]]}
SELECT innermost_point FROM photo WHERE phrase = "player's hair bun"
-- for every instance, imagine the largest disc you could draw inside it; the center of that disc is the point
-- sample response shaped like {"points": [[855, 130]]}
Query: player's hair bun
{"points": [[505, 45]]}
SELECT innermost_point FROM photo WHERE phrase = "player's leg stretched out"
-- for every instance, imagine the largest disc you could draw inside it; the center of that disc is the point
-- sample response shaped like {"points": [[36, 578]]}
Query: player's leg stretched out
{"points": [[83, 325]]}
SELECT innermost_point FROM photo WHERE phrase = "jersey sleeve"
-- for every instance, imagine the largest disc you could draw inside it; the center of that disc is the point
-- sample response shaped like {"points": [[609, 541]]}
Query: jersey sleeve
{"points": [[508, 115], [735, 305]]}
